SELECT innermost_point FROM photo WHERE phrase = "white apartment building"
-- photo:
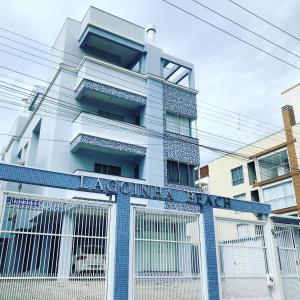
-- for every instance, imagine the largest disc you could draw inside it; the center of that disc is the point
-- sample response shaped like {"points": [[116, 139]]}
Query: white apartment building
{"points": [[116, 105]]}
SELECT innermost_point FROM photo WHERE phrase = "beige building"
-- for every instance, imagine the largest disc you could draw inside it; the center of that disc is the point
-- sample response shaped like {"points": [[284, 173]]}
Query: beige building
{"points": [[267, 170]]}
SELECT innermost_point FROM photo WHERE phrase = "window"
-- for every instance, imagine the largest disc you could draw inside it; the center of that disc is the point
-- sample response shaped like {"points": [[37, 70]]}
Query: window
{"points": [[255, 196], [136, 172], [280, 195], [180, 173], [251, 172], [276, 164], [178, 124], [237, 176], [106, 169], [109, 115], [240, 196]]}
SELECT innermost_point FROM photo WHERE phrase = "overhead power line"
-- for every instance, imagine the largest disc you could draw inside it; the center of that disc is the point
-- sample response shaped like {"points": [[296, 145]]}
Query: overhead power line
{"points": [[71, 74], [88, 67], [79, 77], [247, 29], [213, 149], [78, 109], [265, 20], [72, 97], [232, 35]]}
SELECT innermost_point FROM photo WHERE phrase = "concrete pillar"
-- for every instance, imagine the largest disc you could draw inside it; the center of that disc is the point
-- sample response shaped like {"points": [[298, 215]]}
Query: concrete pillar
{"points": [[122, 233], [210, 254], [65, 251]]}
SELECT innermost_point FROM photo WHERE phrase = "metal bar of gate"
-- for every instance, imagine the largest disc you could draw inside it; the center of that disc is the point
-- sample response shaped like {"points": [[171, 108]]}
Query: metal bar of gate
{"points": [[288, 252], [53, 248], [243, 259], [167, 255]]}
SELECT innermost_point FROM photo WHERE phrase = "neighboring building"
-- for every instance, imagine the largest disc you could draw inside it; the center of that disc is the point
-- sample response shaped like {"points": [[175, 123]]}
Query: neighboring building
{"points": [[269, 171], [117, 105], [202, 177]]}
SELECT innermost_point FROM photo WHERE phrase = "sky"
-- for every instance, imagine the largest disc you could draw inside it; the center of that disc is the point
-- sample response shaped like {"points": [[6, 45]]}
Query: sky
{"points": [[239, 87]]}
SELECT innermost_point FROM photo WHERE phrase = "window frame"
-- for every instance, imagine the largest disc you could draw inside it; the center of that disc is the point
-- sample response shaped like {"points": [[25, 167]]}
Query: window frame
{"points": [[241, 196], [175, 127], [190, 173], [276, 185], [110, 116], [107, 169], [260, 172], [239, 180]]}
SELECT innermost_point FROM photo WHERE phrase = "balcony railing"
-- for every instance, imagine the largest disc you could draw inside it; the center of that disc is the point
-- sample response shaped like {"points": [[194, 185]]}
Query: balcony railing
{"points": [[106, 176], [111, 75], [106, 133], [283, 202]]}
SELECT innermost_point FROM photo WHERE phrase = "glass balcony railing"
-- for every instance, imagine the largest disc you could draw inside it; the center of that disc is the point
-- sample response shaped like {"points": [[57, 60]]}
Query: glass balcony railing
{"points": [[283, 202]]}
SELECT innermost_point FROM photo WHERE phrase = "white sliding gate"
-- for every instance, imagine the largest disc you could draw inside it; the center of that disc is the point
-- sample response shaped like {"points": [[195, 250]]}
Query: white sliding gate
{"points": [[53, 249], [243, 261], [167, 258], [288, 242]]}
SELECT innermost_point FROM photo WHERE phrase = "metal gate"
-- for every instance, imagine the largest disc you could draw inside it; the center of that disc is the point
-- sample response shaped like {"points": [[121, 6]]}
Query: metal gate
{"points": [[167, 258], [53, 249], [243, 262], [288, 242]]}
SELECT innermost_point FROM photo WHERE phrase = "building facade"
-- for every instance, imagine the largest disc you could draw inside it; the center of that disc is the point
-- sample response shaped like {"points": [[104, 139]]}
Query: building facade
{"points": [[98, 198], [266, 171], [116, 105]]}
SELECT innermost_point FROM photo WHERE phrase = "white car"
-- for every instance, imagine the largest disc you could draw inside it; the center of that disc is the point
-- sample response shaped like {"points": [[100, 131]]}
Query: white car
{"points": [[89, 259]]}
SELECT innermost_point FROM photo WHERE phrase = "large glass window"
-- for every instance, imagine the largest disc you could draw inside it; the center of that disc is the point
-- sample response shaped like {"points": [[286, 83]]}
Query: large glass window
{"points": [[106, 169], [109, 115], [237, 176], [179, 124], [180, 173], [276, 164], [279, 196]]}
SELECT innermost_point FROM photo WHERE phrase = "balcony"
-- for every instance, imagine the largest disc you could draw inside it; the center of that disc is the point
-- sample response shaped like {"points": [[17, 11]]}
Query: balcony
{"points": [[103, 81], [280, 195], [105, 176], [112, 39], [96, 133]]}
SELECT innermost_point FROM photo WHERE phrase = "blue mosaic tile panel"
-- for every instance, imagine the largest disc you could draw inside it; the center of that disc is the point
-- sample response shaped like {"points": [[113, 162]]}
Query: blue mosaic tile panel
{"points": [[108, 144], [180, 101], [181, 148], [113, 91]]}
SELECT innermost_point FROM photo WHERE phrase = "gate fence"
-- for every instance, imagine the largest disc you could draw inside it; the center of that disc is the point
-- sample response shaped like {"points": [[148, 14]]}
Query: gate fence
{"points": [[58, 249], [288, 242], [52, 249], [167, 256], [243, 261]]}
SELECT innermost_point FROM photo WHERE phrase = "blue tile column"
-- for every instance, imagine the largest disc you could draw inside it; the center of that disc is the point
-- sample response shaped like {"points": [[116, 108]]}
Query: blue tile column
{"points": [[211, 254], [122, 247]]}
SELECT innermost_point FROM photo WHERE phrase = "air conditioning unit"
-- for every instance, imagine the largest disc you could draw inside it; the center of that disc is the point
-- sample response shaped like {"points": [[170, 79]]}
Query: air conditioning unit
{"points": [[21, 162]]}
